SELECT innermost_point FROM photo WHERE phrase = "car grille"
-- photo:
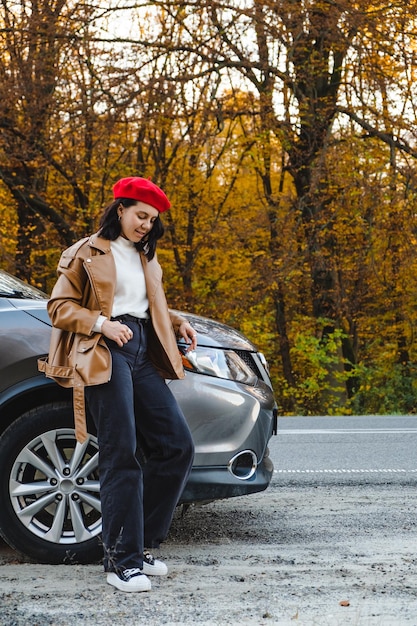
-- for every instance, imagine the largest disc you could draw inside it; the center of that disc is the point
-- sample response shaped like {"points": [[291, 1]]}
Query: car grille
{"points": [[249, 360]]}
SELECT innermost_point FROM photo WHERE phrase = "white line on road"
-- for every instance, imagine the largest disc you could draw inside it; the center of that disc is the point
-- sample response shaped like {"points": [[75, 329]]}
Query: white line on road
{"points": [[348, 431], [346, 471]]}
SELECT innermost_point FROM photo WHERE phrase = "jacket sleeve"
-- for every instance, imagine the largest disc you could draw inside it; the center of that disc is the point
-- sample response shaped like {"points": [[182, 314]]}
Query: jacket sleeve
{"points": [[66, 306]]}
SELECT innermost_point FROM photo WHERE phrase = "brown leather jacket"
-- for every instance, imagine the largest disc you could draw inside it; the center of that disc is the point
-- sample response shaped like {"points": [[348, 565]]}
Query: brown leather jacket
{"points": [[85, 289]]}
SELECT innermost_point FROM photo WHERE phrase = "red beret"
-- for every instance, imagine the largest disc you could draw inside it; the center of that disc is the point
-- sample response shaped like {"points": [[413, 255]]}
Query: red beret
{"points": [[141, 189]]}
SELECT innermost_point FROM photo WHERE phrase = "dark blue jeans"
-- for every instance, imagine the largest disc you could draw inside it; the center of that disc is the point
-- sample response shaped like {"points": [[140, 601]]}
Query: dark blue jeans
{"points": [[145, 452]]}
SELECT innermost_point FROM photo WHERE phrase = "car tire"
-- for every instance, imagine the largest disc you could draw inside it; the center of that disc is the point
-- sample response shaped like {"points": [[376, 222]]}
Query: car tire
{"points": [[49, 488]]}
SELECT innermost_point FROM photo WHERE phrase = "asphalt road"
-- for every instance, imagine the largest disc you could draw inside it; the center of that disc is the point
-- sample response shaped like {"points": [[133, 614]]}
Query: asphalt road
{"points": [[331, 542], [354, 450]]}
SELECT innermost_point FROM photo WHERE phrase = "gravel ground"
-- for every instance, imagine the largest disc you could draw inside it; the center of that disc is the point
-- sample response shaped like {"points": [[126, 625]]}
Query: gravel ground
{"points": [[310, 554]]}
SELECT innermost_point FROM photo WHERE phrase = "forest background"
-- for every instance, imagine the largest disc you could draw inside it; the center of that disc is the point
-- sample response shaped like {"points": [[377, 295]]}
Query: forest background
{"points": [[284, 133]]}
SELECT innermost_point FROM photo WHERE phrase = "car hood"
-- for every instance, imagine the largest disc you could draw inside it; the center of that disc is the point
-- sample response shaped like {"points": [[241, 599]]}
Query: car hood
{"points": [[210, 333], [216, 334], [34, 308]]}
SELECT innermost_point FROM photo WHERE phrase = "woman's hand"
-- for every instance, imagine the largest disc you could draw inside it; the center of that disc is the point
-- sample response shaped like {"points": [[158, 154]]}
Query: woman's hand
{"points": [[118, 332], [187, 332]]}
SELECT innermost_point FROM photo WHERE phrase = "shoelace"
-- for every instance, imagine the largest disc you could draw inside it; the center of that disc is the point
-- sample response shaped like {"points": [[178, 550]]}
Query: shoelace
{"points": [[147, 556], [133, 571]]}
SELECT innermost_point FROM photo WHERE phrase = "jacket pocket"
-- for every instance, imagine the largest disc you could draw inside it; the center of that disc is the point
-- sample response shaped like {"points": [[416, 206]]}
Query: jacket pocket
{"points": [[87, 343], [92, 360]]}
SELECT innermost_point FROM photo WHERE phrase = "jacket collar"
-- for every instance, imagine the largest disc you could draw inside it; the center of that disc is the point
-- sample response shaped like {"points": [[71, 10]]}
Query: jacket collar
{"points": [[152, 270], [95, 241]]}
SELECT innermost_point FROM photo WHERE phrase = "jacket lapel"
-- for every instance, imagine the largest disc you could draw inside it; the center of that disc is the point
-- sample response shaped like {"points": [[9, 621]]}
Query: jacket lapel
{"points": [[101, 269], [153, 277]]}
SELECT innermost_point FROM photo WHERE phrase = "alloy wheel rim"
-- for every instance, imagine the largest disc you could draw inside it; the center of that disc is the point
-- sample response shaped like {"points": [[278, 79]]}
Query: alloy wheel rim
{"points": [[54, 487]]}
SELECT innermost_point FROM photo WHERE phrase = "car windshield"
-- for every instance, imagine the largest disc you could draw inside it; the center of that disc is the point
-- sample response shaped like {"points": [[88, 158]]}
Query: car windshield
{"points": [[11, 287]]}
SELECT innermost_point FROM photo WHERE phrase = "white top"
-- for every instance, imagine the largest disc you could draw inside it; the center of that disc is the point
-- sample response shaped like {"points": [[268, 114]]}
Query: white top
{"points": [[130, 295]]}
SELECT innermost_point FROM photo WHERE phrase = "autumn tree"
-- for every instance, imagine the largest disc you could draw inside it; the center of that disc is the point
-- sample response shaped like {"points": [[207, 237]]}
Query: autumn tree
{"points": [[282, 131], [315, 66], [63, 123], [32, 39]]}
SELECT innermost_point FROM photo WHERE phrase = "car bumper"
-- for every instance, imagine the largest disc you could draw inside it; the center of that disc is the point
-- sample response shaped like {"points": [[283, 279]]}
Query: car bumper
{"points": [[215, 483]]}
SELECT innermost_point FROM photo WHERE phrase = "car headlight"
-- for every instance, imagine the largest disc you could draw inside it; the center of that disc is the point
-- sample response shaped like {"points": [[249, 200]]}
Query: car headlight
{"points": [[264, 361], [220, 363]]}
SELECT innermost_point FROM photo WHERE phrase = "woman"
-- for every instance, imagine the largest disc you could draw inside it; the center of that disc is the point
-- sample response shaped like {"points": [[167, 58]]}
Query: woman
{"points": [[114, 343]]}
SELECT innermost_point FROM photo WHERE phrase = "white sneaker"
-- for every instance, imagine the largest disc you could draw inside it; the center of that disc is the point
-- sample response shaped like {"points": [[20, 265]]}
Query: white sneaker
{"points": [[153, 567], [129, 580]]}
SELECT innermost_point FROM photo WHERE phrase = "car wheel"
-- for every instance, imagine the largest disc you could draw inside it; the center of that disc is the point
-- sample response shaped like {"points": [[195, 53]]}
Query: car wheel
{"points": [[49, 488]]}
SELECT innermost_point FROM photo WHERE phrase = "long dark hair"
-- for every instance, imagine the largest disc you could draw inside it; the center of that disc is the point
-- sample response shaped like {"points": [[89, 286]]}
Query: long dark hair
{"points": [[110, 227]]}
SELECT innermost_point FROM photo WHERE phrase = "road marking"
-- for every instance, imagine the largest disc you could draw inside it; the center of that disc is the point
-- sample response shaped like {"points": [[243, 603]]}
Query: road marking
{"points": [[346, 471], [348, 431]]}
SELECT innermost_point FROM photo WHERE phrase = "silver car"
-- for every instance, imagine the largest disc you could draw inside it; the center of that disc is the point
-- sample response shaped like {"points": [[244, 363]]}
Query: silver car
{"points": [[49, 483]]}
